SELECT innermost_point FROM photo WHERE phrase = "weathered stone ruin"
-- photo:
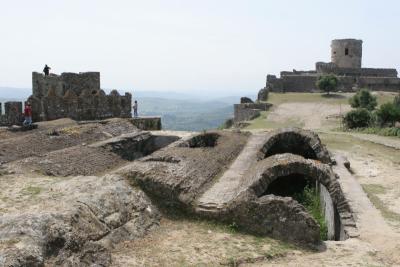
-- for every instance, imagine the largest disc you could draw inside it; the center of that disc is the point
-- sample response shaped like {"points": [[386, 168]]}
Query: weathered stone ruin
{"points": [[239, 178], [71, 95], [77, 96], [346, 56], [12, 113], [254, 191]]}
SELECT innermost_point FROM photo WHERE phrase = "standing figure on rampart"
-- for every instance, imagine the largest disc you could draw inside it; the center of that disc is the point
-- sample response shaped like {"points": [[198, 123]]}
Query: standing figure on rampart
{"points": [[135, 107], [46, 70]]}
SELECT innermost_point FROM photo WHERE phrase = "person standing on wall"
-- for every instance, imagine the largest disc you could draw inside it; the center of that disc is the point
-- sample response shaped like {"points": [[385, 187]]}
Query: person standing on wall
{"points": [[135, 107], [27, 114], [46, 70]]}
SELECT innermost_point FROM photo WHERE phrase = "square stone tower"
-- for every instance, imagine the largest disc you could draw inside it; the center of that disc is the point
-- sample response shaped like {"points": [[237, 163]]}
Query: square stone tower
{"points": [[346, 53]]}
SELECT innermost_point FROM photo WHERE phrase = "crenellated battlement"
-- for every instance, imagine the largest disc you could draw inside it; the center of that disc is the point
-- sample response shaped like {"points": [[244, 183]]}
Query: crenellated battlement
{"points": [[77, 96]]}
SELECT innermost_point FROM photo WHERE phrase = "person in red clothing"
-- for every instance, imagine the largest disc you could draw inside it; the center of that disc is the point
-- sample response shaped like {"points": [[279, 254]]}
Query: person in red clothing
{"points": [[28, 114]]}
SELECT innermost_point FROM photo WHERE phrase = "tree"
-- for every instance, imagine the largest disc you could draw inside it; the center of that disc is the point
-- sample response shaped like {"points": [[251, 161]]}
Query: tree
{"points": [[363, 99], [327, 83]]}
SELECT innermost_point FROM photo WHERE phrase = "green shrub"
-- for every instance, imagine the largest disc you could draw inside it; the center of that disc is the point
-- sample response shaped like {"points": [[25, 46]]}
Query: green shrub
{"points": [[363, 99], [388, 113], [396, 101], [327, 83], [358, 118]]}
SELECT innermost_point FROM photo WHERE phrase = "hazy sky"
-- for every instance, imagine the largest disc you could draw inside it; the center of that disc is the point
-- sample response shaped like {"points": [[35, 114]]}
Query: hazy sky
{"points": [[203, 45]]}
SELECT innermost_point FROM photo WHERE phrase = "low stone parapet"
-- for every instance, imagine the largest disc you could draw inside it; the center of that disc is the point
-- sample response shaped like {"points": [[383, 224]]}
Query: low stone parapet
{"points": [[147, 123]]}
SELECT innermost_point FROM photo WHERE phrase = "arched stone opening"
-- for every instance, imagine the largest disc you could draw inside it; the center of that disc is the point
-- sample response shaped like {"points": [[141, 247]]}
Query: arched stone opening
{"points": [[295, 141], [286, 175], [290, 185]]}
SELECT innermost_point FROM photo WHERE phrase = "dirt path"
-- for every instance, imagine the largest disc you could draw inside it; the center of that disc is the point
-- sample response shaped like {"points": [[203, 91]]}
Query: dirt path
{"points": [[307, 115]]}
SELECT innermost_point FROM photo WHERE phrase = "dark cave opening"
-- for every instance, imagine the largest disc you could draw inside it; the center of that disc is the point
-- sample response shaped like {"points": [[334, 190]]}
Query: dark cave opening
{"points": [[289, 186], [294, 145]]}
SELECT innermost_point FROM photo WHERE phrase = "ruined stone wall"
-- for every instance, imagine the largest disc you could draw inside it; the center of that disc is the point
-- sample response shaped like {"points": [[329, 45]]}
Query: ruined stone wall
{"points": [[346, 53], [76, 82], [90, 105], [248, 111], [328, 210], [77, 96], [13, 113]]}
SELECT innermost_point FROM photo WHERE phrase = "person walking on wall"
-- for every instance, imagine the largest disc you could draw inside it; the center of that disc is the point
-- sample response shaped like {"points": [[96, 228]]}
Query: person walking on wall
{"points": [[135, 107], [27, 115], [46, 70]]}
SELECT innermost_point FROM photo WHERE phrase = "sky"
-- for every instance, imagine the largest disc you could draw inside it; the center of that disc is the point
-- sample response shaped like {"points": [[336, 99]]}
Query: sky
{"points": [[203, 46]]}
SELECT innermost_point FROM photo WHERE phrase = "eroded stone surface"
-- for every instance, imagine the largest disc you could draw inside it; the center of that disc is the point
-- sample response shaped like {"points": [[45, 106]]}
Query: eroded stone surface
{"points": [[76, 227]]}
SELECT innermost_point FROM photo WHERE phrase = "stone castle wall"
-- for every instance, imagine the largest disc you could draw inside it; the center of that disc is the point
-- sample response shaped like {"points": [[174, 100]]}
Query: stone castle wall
{"points": [[76, 82], [12, 113], [325, 68], [346, 55], [77, 96]]}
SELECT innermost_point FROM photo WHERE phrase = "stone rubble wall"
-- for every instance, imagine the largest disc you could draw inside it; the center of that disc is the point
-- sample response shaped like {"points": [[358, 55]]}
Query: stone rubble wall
{"points": [[13, 113], [147, 123], [248, 111]]}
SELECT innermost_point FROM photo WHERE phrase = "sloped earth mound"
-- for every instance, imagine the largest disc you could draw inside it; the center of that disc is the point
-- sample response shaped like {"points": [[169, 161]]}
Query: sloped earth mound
{"points": [[52, 136], [74, 222], [95, 158]]}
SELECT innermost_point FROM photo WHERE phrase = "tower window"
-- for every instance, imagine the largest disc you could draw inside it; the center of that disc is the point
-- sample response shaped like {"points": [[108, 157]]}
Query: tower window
{"points": [[346, 51]]}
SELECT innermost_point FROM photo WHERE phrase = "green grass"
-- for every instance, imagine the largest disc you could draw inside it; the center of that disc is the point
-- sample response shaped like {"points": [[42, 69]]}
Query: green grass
{"points": [[372, 190], [386, 131], [335, 98], [310, 199]]}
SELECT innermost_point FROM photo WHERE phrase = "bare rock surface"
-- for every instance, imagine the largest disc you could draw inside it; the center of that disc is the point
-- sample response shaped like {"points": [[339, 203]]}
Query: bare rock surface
{"points": [[74, 222]]}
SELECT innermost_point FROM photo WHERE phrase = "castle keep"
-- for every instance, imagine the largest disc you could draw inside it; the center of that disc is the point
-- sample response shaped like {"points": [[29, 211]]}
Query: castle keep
{"points": [[77, 96], [346, 57]]}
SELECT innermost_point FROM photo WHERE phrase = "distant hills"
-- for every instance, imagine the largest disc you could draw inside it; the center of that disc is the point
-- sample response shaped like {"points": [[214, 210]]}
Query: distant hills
{"points": [[189, 115]]}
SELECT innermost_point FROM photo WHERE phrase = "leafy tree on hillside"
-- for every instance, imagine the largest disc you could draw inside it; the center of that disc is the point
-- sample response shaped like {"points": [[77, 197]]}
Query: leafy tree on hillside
{"points": [[327, 83], [363, 99]]}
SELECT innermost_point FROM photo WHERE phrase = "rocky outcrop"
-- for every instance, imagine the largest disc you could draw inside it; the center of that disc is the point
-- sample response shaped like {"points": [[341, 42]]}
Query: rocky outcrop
{"points": [[244, 100], [263, 94], [78, 226]]}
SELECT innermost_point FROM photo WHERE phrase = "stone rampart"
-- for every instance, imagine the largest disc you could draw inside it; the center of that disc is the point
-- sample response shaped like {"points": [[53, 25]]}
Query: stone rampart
{"points": [[12, 113], [325, 68], [77, 82], [147, 123]]}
